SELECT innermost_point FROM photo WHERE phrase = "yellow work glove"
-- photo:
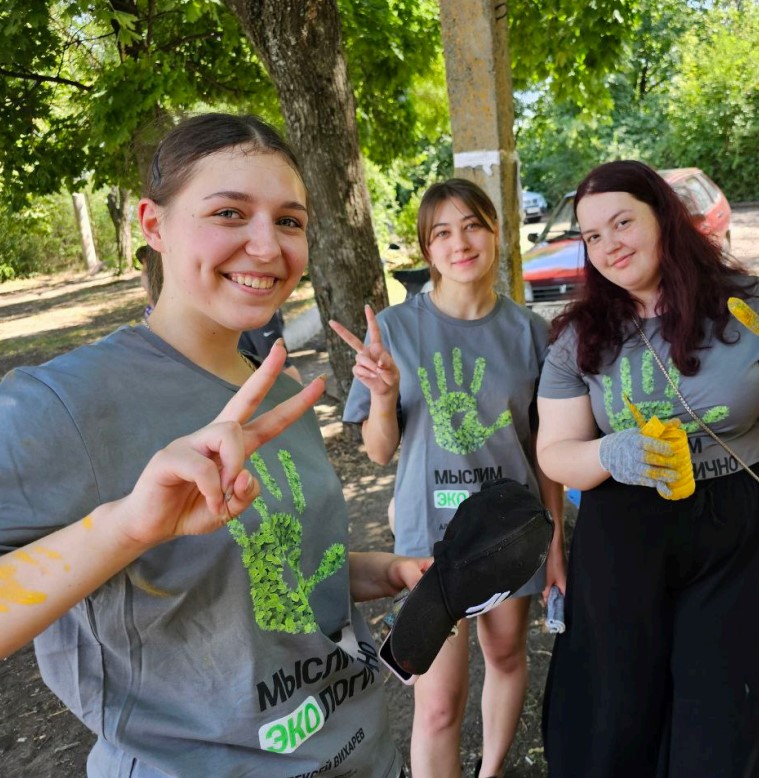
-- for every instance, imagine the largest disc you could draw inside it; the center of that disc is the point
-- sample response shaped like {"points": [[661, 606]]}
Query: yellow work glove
{"points": [[678, 461]]}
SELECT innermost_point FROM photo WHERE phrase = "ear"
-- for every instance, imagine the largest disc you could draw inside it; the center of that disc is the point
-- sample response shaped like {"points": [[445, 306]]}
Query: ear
{"points": [[149, 216]]}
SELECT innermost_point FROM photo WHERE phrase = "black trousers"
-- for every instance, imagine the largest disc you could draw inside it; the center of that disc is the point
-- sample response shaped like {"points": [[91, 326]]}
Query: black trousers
{"points": [[657, 675]]}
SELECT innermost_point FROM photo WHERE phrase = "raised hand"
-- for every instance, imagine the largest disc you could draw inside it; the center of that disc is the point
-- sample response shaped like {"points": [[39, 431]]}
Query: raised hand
{"points": [[374, 366], [469, 433], [198, 483], [194, 485]]}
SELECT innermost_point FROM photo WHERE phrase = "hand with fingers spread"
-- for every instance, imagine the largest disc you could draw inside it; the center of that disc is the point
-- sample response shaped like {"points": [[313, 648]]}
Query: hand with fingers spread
{"points": [[374, 367], [634, 458], [455, 413]]}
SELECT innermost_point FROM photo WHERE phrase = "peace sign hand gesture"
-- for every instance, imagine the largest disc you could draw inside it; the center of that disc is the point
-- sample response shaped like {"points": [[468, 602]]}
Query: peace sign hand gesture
{"points": [[198, 482], [374, 366]]}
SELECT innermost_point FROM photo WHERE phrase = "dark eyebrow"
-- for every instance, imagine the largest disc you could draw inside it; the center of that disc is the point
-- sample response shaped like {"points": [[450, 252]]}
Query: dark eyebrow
{"points": [[463, 219], [609, 220], [229, 195], [294, 205], [244, 197]]}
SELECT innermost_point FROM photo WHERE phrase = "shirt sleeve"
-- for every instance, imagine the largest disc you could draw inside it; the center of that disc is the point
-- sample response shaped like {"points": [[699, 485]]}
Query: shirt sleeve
{"points": [[260, 341], [540, 333], [358, 403], [561, 378], [46, 475]]}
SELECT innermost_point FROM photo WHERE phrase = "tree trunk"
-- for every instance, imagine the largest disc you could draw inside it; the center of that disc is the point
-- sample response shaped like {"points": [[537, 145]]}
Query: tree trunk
{"points": [[299, 43], [85, 232], [118, 208]]}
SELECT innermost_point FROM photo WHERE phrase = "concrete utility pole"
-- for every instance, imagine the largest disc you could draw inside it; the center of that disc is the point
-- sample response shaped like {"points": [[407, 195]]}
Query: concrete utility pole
{"points": [[478, 73]]}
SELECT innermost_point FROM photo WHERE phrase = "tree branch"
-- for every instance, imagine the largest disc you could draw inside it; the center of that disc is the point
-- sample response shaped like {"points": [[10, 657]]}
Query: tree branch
{"points": [[237, 91], [43, 79], [177, 42]]}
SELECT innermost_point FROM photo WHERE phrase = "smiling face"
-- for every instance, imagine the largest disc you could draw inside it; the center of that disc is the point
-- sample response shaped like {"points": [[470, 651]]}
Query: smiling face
{"points": [[621, 235], [233, 240], [461, 247]]}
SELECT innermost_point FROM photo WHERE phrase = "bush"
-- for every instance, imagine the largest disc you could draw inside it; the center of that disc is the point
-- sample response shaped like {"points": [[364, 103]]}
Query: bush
{"points": [[39, 239], [43, 238], [397, 191]]}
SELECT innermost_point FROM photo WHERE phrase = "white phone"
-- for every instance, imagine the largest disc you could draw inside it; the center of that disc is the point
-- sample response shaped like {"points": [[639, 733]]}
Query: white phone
{"points": [[386, 655]]}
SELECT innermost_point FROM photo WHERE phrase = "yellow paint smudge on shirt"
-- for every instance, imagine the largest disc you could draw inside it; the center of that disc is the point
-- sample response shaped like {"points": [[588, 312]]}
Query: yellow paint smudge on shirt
{"points": [[12, 591], [87, 522], [24, 557]]}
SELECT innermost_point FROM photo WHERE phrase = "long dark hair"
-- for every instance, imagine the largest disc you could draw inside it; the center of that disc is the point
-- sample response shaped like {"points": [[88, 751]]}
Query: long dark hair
{"points": [[696, 277]]}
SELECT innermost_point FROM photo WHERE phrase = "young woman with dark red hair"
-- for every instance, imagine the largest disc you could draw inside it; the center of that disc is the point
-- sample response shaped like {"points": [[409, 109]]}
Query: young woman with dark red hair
{"points": [[657, 673]]}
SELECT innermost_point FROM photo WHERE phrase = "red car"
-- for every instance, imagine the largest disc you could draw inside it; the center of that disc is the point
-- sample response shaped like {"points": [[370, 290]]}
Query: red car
{"points": [[554, 268]]}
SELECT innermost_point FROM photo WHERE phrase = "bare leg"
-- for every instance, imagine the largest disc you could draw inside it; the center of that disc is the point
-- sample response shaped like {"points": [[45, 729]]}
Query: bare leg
{"points": [[439, 701], [502, 634]]}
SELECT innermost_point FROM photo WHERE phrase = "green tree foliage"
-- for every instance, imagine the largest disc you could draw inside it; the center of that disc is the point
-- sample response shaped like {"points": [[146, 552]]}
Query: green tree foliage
{"points": [[394, 55], [557, 145], [31, 75], [40, 238], [685, 93], [714, 104], [80, 81], [568, 45], [567, 48], [559, 140]]}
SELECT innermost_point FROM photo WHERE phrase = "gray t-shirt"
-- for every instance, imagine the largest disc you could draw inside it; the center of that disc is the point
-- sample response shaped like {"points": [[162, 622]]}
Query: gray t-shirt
{"points": [[237, 653], [723, 393], [466, 408]]}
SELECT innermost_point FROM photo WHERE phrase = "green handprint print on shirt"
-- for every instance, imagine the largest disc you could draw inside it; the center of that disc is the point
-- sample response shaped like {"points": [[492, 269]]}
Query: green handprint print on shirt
{"points": [[470, 434], [663, 408], [272, 556]]}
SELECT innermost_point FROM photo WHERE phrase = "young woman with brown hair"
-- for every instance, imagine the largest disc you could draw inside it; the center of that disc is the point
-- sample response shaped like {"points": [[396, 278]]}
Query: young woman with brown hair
{"points": [[239, 652], [450, 377]]}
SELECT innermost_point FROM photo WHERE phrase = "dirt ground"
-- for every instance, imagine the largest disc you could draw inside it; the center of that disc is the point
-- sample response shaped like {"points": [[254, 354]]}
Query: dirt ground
{"points": [[45, 316]]}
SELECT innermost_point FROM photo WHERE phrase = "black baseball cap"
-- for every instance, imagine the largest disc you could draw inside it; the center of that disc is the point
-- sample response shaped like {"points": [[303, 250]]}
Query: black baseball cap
{"points": [[496, 541]]}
